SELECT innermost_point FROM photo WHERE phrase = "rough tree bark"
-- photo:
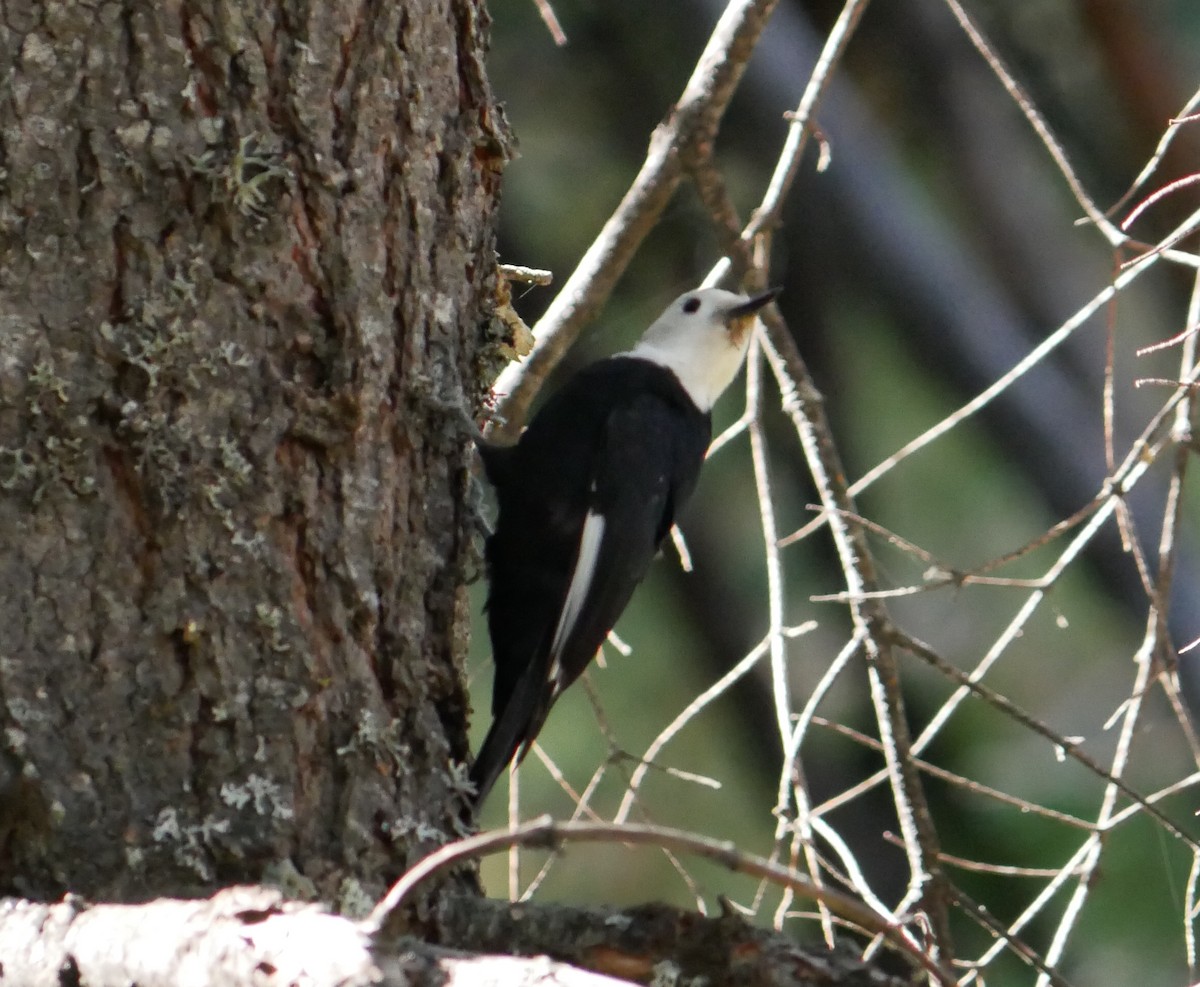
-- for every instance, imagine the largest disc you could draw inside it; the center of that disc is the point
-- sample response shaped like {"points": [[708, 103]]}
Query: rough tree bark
{"points": [[246, 258]]}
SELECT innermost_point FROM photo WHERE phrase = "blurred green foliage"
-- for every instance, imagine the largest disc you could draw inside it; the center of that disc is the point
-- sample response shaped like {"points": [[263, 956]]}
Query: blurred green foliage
{"points": [[895, 346]]}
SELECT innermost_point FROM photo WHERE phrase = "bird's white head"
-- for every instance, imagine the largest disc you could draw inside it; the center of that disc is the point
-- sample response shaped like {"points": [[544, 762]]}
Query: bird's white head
{"points": [[702, 338]]}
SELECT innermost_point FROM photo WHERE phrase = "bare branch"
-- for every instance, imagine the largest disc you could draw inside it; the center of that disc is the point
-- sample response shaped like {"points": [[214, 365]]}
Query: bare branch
{"points": [[545, 833]]}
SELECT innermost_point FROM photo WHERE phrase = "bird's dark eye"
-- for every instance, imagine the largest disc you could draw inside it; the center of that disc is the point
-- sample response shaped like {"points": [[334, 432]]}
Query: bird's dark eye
{"points": [[691, 305]]}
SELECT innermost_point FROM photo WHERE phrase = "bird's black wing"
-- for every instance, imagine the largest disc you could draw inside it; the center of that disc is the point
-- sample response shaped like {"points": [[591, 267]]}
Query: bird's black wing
{"points": [[541, 488], [648, 464], [585, 499]]}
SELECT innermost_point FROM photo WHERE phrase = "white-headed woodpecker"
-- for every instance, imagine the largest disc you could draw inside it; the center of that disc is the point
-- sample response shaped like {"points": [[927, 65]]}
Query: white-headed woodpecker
{"points": [[585, 498]]}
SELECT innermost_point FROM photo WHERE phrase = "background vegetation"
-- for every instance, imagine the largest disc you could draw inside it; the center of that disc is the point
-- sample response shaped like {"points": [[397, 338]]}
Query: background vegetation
{"points": [[936, 251]]}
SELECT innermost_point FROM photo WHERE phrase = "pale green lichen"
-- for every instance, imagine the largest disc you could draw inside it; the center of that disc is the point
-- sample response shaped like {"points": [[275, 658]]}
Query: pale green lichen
{"points": [[353, 900], [188, 843], [245, 178], [262, 794], [56, 452]]}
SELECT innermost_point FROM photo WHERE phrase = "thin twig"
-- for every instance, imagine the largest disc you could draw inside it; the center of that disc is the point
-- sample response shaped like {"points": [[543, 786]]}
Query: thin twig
{"points": [[550, 19], [1093, 844], [1167, 343], [801, 123], [780, 689], [980, 867], [1156, 196], [791, 789], [1036, 121], [1183, 117], [1030, 912], [1130, 811], [1146, 659], [1017, 946], [1190, 911], [693, 709], [969, 784]]}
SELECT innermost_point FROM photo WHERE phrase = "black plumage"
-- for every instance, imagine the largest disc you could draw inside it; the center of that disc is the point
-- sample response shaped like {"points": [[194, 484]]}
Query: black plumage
{"points": [[586, 497], [622, 441]]}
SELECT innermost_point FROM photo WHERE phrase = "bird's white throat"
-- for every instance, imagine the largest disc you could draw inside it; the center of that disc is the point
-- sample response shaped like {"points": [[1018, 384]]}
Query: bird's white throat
{"points": [[704, 371]]}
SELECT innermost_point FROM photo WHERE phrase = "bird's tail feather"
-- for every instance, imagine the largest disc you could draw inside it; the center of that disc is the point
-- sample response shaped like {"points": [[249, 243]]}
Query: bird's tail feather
{"points": [[510, 733]]}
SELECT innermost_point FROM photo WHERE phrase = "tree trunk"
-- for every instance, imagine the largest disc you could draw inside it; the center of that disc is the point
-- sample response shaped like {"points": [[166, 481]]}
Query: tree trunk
{"points": [[247, 261]]}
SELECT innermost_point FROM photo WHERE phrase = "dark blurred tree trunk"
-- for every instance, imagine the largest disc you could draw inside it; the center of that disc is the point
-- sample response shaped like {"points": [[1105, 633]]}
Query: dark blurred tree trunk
{"points": [[247, 257]]}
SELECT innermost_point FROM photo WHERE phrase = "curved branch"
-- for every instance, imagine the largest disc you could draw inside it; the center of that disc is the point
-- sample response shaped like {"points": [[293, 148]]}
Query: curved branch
{"points": [[544, 832]]}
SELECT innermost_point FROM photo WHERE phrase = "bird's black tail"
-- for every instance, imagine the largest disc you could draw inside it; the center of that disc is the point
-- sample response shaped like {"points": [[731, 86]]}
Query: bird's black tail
{"points": [[498, 749], [511, 731]]}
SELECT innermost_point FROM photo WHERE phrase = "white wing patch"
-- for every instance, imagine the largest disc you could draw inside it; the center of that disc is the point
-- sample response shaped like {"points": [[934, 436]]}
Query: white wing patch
{"points": [[581, 581]]}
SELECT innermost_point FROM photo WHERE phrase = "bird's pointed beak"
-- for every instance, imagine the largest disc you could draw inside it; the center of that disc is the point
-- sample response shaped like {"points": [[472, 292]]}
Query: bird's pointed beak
{"points": [[752, 305], [739, 319]]}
